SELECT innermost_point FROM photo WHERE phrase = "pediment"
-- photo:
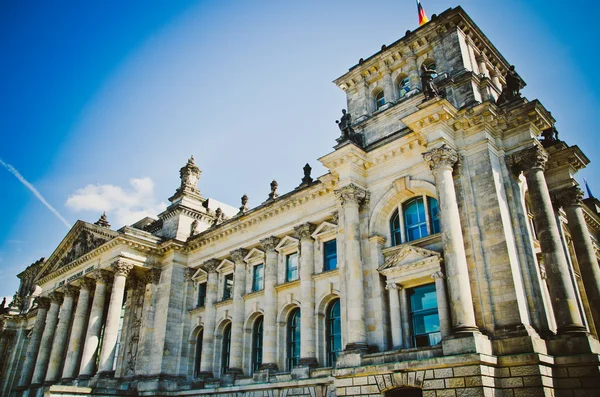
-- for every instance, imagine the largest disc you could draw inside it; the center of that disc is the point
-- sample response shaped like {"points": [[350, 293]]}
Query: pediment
{"points": [[199, 273], [81, 239], [286, 243], [254, 255], [225, 266], [409, 255], [324, 229]]}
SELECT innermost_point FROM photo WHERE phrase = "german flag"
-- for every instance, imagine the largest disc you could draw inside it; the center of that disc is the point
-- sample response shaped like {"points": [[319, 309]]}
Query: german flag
{"points": [[422, 17]]}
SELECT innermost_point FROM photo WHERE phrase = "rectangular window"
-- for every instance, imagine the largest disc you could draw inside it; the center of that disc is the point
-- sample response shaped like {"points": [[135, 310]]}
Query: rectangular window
{"points": [[228, 287], [201, 295], [258, 277], [424, 317], [329, 255], [291, 265]]}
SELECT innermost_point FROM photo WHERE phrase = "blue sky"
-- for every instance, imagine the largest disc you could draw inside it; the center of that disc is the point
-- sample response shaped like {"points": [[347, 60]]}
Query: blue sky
{"points": [[103, 101]]}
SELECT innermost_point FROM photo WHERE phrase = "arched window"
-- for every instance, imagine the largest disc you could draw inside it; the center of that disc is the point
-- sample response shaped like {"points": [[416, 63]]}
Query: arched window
{"points": [[226, 349], [417, 218], [404, 86], [293, 339], [379, 100], [198, 352], [257, 344], [334, 332]]}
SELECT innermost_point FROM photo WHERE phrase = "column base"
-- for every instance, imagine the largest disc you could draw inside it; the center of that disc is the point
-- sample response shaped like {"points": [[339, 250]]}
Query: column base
{"points": [[310, 362], [268, 366], [462, 329], [571, 329], [357, 346], [573, 343], [516, 340], [464, 342]]}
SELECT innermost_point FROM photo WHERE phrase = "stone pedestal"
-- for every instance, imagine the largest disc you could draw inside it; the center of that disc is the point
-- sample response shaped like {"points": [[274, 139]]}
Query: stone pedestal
{"points": [[95, 322], [441, 161], [77, 330], [206, 361], [60, 338], [111, 329], [308, 351], [270, 305], [237, 323], [351, 197], [34, 342], [532, 162], [41, 366]]}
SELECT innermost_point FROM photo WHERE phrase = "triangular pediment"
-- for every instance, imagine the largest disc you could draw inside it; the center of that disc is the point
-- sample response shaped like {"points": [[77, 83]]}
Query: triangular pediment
{"points": [[323, 229], [225, 266], [287, 242], [82, 238], [199, 273], [254, 255], [408, 255]]}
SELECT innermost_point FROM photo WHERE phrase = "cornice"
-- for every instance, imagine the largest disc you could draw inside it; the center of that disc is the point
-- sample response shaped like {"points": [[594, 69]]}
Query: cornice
{"points": [[283, 204], [591, 219], [348, 154], [432, 112]]}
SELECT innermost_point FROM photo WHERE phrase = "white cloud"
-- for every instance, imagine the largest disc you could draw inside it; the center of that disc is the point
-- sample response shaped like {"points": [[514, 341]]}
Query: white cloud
{"points": [[124, 206]]}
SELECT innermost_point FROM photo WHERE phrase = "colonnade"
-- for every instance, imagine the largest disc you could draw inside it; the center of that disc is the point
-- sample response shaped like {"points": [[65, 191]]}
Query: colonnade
{"points": [[54, 354]]}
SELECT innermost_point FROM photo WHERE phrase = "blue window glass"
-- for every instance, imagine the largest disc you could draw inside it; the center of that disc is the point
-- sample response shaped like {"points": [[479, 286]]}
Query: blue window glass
{"points": [[201, 295], [330, 255], [258, 277], [293, 339], [434, 214], [228, 287], [424, 316], [198, 353], [291, 265], [226, 349], [395, 228], [404, 87], [334, 332], [415, 222], [379, 100], [257, 344]]}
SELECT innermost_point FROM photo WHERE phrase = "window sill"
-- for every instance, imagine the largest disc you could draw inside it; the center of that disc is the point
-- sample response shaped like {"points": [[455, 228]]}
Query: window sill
{"points": [[288, 284], [197, 310], [325, 274], [253, 294], [224, 302]]}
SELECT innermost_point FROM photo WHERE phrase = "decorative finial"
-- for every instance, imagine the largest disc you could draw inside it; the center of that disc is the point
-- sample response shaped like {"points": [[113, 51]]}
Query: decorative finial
{"points": [[219, 216], [244, 207], [273, 195], [194, 227], [103, 221], [307, 179], [189, 175], [550, 137]]}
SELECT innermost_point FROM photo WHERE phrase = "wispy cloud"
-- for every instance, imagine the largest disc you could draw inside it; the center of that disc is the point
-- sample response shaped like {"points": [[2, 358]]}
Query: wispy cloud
{"points": [[125, 206], [35, 192]]}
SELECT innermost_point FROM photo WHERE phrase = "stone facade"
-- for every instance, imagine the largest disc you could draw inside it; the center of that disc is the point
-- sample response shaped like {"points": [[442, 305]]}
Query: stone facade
{"points": [[447, 252]]}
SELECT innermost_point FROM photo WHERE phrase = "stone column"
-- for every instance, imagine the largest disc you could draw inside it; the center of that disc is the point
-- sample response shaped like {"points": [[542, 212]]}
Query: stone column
{"points": [[270, 299], [388, 85], [237, 321], [208, 336], [60, 338], [94, 327], [406, 337], [571, 201], [34, 343], [308, 349], [532, 162], [351, 197], [39, 374], [78, 330], [413, 72], [441, 161], [111, 327], [395, 320], [442, 301], [482, 63]]}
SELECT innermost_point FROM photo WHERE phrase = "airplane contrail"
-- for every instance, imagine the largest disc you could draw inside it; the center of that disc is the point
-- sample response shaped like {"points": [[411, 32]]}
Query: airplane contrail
{"points": [[35, 192]]}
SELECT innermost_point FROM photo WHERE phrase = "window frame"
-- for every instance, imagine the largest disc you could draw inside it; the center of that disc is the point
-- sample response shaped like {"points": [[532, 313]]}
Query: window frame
{"points": [[379, 97], [422, 313], [198, 353], [226, 349], [402, 91], [201, 287], [294, 336], [430, 221], [288, 275], [258, 280], [325, 259], [330, 354], [227, 290], [257, 344]]}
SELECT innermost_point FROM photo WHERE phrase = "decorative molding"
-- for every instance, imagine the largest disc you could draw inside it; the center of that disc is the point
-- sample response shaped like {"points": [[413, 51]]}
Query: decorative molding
{"points": [[534, 157], [352, 194], [122, 268], [56, 297], [42, 302], [438, 275], [443, 157], [392, 285], [70, 290], [103, 276], [566, 197], [269, 243], [210, 266], [305, 230], [239, 255]]}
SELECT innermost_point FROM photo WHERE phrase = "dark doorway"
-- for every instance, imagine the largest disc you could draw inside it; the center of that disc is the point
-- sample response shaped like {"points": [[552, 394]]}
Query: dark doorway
{"points": [[404, 392]]}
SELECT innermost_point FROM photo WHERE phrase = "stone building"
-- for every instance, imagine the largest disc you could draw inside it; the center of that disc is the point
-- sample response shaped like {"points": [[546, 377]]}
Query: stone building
{"points": [[447, 252]]}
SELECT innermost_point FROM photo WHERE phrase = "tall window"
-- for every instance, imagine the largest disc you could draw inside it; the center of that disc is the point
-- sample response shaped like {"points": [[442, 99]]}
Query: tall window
{"points": [[329, 255], [226, 350], [334, 332], [198, 352], [379, 100], [258, 277], [420, 217], [404, 86], [257, 344], [293, 339], [291, 266], [201, 295], [228, 287], [424, 316]]}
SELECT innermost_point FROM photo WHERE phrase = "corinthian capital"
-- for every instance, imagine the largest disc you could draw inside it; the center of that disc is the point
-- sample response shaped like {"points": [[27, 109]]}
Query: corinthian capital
{"points": [[238, 255], [211, 265], [441, 157], [531, 158], [57, 297], [152, 276], [270, 243], [352, 194], [122, 268], [71, 290], [86, 283], [43, 302], [567, 196], [103, 276], [305, 230]]}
